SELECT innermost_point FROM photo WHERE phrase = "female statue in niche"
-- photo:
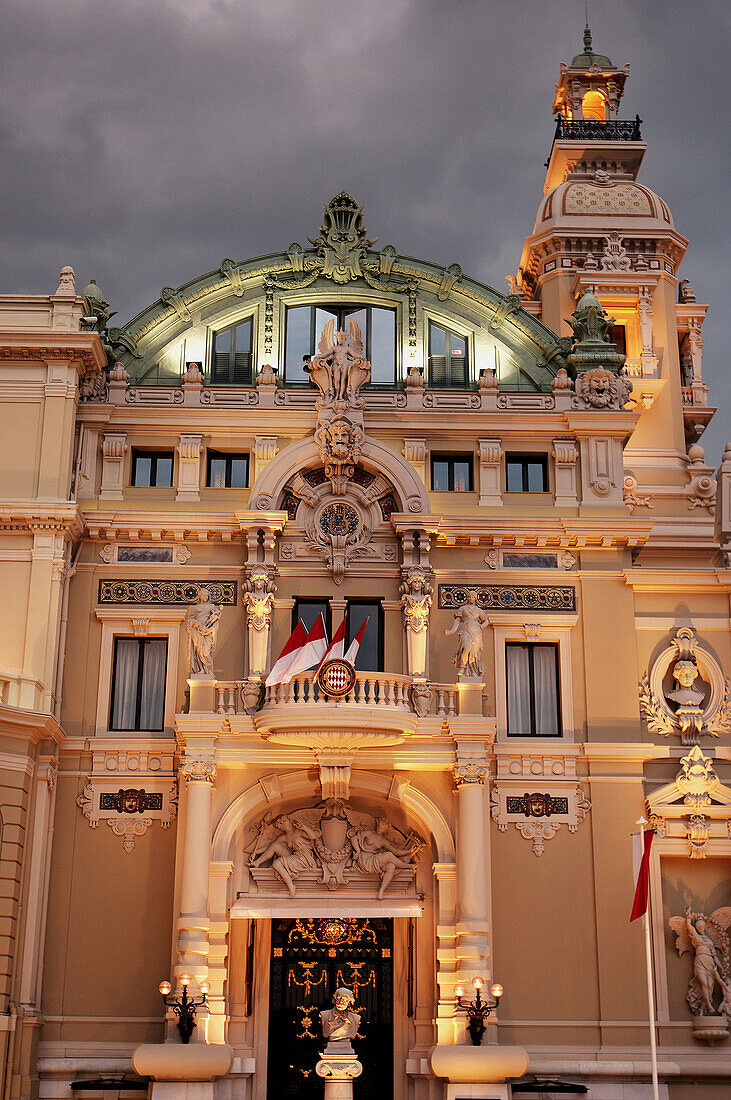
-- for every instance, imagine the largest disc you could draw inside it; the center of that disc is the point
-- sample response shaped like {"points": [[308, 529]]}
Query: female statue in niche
{"points": [[469, 622]]}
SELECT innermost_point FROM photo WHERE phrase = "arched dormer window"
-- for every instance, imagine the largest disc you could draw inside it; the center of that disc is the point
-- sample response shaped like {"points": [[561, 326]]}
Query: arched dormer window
{"points": [[594, 106], [304, 326], [232, 361]]}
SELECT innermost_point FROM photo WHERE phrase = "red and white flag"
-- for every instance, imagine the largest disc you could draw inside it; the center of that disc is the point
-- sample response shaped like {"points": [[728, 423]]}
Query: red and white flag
{"points": [[355, 644], [641, 845], [337, 645], [292, 647], [311, 653]]}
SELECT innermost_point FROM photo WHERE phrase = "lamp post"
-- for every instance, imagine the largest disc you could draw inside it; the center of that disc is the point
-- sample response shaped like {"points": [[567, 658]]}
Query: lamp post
{"points": [[478, 1010], [184, 1006]]}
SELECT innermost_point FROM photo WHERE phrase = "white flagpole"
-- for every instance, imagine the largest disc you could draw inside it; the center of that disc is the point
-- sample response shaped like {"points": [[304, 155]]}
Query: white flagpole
{"points": [[650, 982]]}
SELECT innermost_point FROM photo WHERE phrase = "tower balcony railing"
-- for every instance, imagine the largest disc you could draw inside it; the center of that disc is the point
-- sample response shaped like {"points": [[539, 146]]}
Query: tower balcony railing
{"points": [[590, 129]]}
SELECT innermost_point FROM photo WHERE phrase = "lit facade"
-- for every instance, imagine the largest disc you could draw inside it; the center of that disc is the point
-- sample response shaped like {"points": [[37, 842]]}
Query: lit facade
{"points": [[527, 522]]}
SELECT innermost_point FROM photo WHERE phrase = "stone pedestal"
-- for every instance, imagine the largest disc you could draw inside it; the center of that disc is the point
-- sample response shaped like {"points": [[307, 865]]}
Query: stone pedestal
{"points": [[338, 1071], [470, 689]]}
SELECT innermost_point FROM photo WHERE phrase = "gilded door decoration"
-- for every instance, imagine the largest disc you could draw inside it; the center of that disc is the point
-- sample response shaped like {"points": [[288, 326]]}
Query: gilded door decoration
{"points": [[310, 960]]}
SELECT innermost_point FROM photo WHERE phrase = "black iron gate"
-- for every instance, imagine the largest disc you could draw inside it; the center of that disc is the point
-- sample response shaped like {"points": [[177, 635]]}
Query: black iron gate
{"points": [[310, 960]]}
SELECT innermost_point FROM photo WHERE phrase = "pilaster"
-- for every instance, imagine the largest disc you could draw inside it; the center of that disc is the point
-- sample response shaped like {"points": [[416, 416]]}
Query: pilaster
{"points": [[189, 460], [114, 448]]}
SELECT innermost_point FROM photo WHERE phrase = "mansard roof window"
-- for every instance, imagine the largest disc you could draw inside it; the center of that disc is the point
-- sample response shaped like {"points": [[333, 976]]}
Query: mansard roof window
{"points": [[304, 327], [231, 355], [448, 365]]}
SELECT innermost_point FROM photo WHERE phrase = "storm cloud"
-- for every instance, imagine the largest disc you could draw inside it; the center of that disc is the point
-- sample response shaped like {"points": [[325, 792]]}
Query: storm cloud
{"points": [[144, 141]]}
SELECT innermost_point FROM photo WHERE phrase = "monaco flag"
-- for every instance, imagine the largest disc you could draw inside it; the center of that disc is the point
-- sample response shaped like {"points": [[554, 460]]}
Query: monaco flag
{"points": [[311, 653], [292, 647], [355, 644], [641, 845], [337, 645]]}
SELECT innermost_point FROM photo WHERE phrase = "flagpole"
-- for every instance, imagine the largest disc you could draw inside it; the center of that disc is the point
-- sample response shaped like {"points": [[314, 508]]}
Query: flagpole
{"points": [[650, 983]]}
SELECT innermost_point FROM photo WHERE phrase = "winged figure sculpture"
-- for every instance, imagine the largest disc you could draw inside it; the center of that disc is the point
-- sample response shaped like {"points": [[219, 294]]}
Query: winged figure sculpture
{"points": [[707, 939], [340, 368]]}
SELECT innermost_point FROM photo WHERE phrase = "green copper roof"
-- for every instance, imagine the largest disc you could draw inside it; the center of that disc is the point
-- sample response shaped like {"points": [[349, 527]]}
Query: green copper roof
{"points": [[588, 57]]}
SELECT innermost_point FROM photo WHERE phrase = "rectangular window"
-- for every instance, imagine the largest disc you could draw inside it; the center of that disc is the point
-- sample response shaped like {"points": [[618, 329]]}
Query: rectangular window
{"points": [[152, 468], [532, 688], [526, 473], [447, 358], [138, 684], [451, 473], [227, 471], [304, 327], [308, 611], [231, 356], [370, 654]]}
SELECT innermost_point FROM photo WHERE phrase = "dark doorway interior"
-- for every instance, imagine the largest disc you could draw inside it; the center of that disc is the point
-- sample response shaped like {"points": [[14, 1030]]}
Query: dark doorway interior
{"points": [[310, 959]]}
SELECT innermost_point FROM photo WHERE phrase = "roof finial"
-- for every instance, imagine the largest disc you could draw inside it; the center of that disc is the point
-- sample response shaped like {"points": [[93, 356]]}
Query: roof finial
{"points": [[587, 32]]}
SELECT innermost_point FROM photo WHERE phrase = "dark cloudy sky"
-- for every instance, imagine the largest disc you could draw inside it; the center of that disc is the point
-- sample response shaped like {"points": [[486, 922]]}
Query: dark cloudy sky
{"points": [[144, 140]]}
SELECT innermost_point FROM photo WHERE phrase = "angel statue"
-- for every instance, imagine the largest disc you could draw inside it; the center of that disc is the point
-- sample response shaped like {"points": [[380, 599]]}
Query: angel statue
{"points": [[339, 369], [707, 938], [290, 852], [374, 853]]}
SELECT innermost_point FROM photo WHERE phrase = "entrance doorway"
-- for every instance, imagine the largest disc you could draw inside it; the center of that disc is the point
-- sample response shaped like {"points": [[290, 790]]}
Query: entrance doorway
{"points": [[310, 960]]}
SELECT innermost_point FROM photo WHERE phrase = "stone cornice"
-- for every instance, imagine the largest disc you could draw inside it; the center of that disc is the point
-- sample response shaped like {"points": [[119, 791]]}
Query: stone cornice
{"points": [[84, 349], [543, 531], [33, 515], [29, 725], [174, 524]]}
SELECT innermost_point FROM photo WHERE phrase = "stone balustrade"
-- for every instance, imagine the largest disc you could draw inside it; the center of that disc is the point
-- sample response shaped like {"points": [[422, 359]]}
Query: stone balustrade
{"points": [[371, 689]]}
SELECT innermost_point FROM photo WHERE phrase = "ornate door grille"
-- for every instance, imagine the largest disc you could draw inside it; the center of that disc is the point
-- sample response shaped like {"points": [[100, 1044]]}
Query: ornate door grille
{"points": [[310, 959]]}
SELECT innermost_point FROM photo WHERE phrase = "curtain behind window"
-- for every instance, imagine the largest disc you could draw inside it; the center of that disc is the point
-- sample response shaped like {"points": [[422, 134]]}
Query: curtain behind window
{"points": [[545, 688], [124, 697], [517, 663], [152, 702]]}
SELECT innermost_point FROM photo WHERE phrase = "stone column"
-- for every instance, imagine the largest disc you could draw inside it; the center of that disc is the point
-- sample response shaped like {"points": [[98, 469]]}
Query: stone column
{"points": [[470, 773], [199, 773]]}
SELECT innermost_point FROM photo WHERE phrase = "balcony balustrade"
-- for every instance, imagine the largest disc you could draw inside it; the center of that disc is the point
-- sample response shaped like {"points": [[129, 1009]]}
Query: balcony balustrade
{"points": [[372, 691], [589, 129]]}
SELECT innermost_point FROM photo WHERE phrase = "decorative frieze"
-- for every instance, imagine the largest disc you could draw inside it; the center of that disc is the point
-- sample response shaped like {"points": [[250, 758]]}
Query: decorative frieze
{"points": [[165, 592], [510, 597]]}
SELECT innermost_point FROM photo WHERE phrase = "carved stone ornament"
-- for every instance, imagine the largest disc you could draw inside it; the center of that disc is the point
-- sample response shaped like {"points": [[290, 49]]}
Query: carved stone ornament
{"points": [[632, 498], [469, 772], [615, 256], [699, 705], [421, 698], [416, 601], [706, 938], [696, 806], [342, 243], [538, 815], [601, 389], [258, 599], [198, 771], [339, 533], [335, 847], [701, 488], [339, 442], [122, 808]]}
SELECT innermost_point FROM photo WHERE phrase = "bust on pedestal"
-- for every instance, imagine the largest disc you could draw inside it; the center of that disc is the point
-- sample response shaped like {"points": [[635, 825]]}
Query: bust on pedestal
{"points": [[338, 1063]]}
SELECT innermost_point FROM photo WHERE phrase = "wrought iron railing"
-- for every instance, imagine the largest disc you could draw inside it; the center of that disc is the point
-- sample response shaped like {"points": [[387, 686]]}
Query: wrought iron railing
{"points": [[589, 129]]}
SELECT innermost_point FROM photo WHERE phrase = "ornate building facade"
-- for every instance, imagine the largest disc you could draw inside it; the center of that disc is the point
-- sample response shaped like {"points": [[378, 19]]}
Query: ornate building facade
{"points": [[518, 508]]}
